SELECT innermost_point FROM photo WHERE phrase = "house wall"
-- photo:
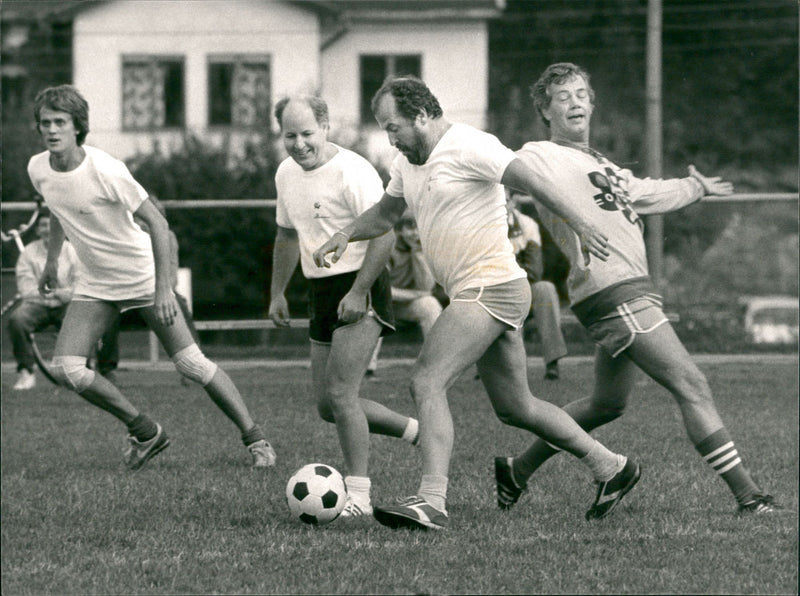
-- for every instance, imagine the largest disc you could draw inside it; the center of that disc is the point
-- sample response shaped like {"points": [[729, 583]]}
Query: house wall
{"points": [[455, 65], [104, 33]]}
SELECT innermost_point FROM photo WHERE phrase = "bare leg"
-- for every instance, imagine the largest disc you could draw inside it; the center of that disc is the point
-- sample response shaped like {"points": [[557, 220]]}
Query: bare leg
{"points": [[663, 357], [337, 372], [84, 323], [503, 372], [614, 381], [220, 389], [461, 334]]}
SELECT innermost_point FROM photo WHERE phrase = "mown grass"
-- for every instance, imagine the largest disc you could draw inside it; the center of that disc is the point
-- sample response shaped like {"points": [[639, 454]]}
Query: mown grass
{"points": [[199, 520]]}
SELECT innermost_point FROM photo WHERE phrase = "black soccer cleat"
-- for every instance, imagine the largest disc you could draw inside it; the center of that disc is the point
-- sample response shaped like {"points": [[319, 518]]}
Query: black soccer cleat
{"points": [[758, 505], [508, 491], [610, 493]]}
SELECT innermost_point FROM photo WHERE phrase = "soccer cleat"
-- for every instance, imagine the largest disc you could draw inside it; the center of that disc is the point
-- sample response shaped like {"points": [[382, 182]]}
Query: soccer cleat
{"points": [[758, 505], [263, 454], [355, 509], [25, 381], [508, 491], [610, 492], [411, 512], [139, 453]]}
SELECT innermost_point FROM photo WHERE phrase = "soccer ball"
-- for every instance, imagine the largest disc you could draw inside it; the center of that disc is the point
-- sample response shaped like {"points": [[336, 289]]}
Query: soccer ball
{"points": [[316, 494]]}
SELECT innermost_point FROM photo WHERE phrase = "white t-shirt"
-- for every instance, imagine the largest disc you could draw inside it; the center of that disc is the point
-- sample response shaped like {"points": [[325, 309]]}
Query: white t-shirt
{"points": [[318, 203], [612, 198], [94, 204], [460, 207]]}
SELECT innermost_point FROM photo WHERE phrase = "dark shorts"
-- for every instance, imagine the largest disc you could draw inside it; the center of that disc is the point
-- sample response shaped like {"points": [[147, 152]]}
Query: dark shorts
{"points": [[327, 292], [616, 331]]}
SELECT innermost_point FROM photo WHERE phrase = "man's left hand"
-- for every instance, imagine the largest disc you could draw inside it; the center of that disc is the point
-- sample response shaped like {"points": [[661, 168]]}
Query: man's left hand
{"points": [[712, 186]]}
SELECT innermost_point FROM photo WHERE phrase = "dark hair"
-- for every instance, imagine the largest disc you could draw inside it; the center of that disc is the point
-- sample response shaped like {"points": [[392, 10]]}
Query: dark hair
{"points": [[405, 220], [318, 107], [411, 96], [556, 73], [64, 98]]}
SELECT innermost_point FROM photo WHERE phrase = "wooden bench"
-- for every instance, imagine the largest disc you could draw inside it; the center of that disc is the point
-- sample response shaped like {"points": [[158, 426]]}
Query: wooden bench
{"points": [[230, 325], [567, 318]]}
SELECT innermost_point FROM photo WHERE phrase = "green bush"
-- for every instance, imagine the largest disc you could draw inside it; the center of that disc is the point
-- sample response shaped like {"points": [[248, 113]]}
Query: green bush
{"points": [[228, 250]]}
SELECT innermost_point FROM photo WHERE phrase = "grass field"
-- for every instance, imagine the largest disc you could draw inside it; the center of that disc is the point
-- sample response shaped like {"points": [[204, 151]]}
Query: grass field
{"points": [[198, 520]]}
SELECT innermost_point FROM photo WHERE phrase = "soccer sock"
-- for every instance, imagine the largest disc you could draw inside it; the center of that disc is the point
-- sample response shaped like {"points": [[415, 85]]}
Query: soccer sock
{"points": [[358, 488], [603, 463], [433, 489], [411, 432], [720, 453], [253, 435], [142, 428]]}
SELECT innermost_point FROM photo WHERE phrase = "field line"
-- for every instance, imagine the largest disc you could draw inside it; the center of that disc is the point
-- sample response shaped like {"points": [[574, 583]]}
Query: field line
{"points": [[534, 362]]}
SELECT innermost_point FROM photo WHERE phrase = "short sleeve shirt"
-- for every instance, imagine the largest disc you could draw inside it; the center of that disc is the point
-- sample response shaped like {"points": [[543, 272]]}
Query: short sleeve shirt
{"points": [[460, 208], [95, 203], [317, 203]]}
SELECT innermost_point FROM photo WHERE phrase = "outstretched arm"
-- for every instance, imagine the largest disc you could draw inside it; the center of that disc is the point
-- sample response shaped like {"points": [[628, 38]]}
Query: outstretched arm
{"points": [[374, 222], [656, 196], [712, 186], [520, 177]]}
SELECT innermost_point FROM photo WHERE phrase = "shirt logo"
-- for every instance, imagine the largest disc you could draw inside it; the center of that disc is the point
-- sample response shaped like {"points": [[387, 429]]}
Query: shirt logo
{"points": [[613, 196]]}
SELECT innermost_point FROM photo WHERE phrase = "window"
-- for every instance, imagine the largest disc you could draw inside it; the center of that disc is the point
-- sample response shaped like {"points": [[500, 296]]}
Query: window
{"points": [[152, 93], [239, 92], [374, 69]]}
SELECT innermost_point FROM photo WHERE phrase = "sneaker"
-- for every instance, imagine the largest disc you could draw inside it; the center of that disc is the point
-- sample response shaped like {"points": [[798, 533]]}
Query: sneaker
{"points": [[25, 381], [411, 512], [551, 371], [508, 491], [355, 509], [263, 454], [610, 492], [139, 453], [758, 505]]}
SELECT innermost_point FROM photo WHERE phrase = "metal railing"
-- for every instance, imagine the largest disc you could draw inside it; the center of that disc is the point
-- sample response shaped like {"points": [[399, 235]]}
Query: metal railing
{"points": [[270, 203]]}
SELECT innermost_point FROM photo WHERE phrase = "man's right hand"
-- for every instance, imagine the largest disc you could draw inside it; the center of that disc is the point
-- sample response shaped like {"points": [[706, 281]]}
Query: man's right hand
{"points": [[279, 311], [337, 244], [48, 282], [593, 242]]}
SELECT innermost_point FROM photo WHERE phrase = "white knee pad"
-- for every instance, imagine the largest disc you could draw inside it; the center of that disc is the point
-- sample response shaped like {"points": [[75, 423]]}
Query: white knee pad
{"points": [[72, 372], [193, 364]]}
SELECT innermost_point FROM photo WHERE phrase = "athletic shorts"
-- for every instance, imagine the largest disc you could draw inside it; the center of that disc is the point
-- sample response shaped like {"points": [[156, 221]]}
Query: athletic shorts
{"points": [[509, 302], [616, 331], [327, 292], [122, 305]]}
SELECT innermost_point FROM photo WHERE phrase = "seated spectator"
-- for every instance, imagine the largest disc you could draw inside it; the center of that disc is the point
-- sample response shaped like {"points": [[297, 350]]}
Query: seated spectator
{"points": [[525, 236], [36, 312], [413, 286]]}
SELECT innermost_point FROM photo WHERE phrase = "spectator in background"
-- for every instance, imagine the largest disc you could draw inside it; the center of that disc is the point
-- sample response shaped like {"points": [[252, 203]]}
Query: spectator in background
{"points": [[413, 285], [108, 348], [525, 237], [37, 312]]}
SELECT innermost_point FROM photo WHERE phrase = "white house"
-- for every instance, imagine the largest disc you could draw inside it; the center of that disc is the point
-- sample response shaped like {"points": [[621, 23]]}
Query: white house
{"points": [[153, 69]]}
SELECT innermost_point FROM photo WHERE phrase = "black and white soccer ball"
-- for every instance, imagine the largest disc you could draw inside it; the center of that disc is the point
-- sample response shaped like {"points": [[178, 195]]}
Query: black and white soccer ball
{"points": [[316, 494]]}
